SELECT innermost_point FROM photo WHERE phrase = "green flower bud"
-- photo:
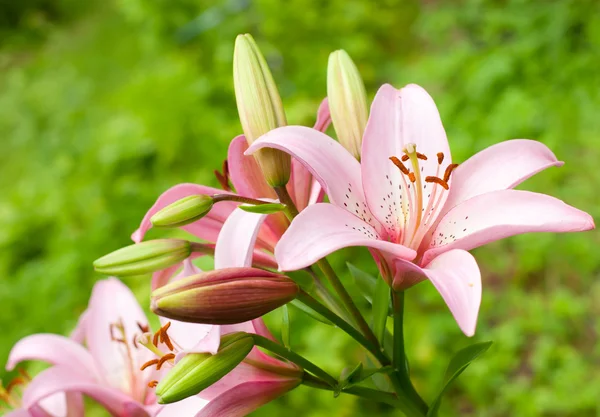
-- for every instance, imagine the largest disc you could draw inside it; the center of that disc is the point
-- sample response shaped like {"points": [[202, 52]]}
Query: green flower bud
{"points": [[144, 257], [259, 106], [347, 101], [184, 211], [198, 371], [223, 296]]}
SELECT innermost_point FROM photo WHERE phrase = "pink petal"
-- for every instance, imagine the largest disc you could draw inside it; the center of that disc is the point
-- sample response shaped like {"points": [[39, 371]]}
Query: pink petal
{"points": [[246, 398], [113, 304], [399, 117], [499, 167], [62, 379], [323, 116], [18, 413], [456, 276], [246, 175], [206, 228], [324, 228], [300, 185], [235, 244], [499, 214], [184, 408], [78, 334], [328, 161], [53, 349]]}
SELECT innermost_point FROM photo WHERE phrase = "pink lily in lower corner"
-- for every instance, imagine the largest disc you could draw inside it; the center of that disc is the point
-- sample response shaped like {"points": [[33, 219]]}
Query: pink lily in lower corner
{"points": [[417, 211], [248, 181], [260, 378], [107, 368]]}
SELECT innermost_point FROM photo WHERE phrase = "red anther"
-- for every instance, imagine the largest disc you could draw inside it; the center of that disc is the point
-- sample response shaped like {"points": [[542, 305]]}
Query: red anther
{"points": [[112, 336], [399, 164], [143, 327], [411, 176], [134, 341], [167, 340], [24, 374], [405, 158], [223, 177], [165, 358], [448, 171], [155, 338], [149, 363], [166, 326], [440, 156], [16, 381], [152, 384], [437, 181], [421, 156]]}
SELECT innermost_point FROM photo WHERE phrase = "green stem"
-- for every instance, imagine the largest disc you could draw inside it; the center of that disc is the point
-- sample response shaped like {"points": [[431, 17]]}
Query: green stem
{"points": [[293, 357], [367, 393], [325, 295], [399, 360], [238, 198]]}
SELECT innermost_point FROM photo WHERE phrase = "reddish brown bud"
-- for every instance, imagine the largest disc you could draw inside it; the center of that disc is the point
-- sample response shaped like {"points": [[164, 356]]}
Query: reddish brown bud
{"points": [[224, 296]]}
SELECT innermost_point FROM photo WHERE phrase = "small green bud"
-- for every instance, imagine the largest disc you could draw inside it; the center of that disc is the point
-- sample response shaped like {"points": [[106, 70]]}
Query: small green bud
{"points": [[223, 296], [347, 101], [184, 211], [198, 371], [259, 106], [145, 257], [269, 208]]}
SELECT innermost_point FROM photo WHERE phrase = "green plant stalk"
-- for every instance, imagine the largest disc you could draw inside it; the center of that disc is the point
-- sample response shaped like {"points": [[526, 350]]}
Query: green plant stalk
{"points": [[399, 361], [368, 393], [293, 357], [238, 198]]}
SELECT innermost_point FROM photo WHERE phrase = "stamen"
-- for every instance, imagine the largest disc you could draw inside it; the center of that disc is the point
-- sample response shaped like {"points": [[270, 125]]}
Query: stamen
{"points": [[437, 181], [405, 158], [400, 165], [223, 178], [117, 326], [411, 176], [161, 361], [143, 327], [167, 340], [24, 374], [421, 156], [16, 381], [149, 363], [152, 384], [440, 156], [448, 171], [155, 338]]}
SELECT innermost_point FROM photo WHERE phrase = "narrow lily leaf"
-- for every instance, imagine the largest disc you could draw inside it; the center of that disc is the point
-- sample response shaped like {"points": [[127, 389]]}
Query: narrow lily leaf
{"points": [[457, 365], [380, 381], [285, 327], [346, 377], [269, 208], [381, 303], [312, 313], [368, 373], [367, 283]]}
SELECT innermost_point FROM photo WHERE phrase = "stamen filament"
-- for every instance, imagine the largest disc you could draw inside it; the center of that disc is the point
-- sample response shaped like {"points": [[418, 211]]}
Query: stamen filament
{"points": [[168, 357]]}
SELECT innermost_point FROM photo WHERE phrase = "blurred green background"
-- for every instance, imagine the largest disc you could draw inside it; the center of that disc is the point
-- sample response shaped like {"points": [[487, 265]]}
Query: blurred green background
{"points": [[104, 105]]}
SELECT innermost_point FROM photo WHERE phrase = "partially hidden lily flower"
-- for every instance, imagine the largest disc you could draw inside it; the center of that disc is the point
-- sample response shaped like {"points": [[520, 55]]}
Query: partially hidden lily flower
{"points": [[247, 179], [417, 211], [108, 367]]}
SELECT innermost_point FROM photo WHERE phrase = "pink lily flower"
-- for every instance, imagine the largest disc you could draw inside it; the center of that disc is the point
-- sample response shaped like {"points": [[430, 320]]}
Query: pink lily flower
{"points": [[107, 369], [248, 181], [417, 211], [57, 405], [260, 378]]}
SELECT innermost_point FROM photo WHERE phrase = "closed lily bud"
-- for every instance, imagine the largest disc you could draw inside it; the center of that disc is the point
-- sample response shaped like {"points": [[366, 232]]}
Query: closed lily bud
{"points": [[259, 106], [184, 211], [223, 296], [198, 371], [347, 101], [145, 257]]}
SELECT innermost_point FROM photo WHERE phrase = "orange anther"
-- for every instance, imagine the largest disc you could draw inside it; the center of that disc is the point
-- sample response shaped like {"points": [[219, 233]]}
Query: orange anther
{"points": [[405, 158], [437, 181], [399, 164], [149, 363], [152, 384], [155, 338], [421, 156], [16, 381], [167, 341], [440, 156], [24, 374], [448, 171], [411, 176], [143, 327], [165, 358]]}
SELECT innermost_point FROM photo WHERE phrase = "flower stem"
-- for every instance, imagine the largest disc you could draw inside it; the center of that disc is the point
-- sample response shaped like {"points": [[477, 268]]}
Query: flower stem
{"points": [[293, 357], [238, 198], [399, 360], [367, 393]]}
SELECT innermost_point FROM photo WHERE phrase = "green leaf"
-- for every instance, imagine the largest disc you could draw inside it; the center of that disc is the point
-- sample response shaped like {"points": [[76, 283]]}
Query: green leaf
{"points": [[381, 303], [285, 326], [268, 208], [367, 283], [312, 313], [358, 375], [457, 365]]}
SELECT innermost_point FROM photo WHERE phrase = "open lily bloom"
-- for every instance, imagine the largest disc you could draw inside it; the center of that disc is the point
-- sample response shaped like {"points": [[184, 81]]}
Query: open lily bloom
{"points": [[260, 378], [107, 369], [417, 211], [248, 181]]}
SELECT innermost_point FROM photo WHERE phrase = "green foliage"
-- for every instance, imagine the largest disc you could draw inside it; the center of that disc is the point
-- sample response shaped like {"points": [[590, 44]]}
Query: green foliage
{"points": [[136, 96]]}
